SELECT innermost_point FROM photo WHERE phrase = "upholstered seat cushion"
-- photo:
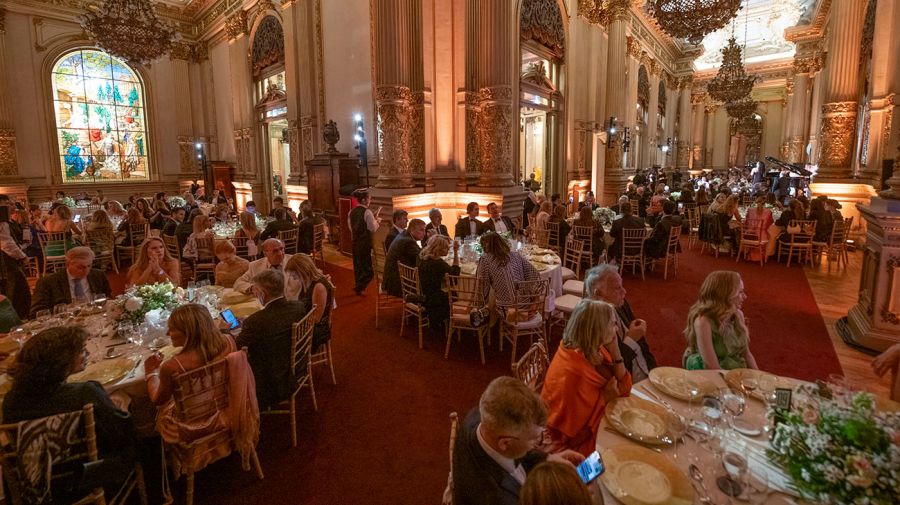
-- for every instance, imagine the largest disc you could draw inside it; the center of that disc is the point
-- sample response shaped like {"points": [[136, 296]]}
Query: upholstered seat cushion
{"points": [[567, 303], [535, 321], [573, 287], [567, 274]]}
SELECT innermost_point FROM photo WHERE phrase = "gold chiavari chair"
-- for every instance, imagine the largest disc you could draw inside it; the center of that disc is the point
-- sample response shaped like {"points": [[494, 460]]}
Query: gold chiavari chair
{"points": [[324, 356], [586, 235], [412, 291], [553, 236], [318, 244], [525, 317], [800, 234], [54, 245], [241, 247], [541, 237], [454, 433], [301, 370], [103, 243], [132, 245], [751, 239], [199, 395], [383, 301], [693, 223], [205, 263], [632, 249], [289, 238], [836, 247], [571, 268], [672, 244], [532, 368], [465, 295]]}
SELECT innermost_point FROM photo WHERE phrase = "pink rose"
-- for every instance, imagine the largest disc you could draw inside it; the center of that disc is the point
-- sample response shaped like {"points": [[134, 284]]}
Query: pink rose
{"points": [[859, 480], [862, 464], [810, 416]]}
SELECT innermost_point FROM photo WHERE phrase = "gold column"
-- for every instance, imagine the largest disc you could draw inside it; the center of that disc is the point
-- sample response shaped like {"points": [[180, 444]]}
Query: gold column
{"points": [[650, 149], [616, 104], [786, 118], [302, 82], [841, 87], [683, 144], [9, 165], [180, 56], [632, 63], [799, 110], [698, 101], [815, 118], [242, 95]]}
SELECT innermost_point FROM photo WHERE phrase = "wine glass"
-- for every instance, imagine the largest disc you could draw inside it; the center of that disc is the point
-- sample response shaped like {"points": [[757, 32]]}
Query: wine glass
{"points": [[734, 401], [60, 308], [42, 314], [759, 489], [676, 427], [766, 385], [735, 463], [20, 336]]}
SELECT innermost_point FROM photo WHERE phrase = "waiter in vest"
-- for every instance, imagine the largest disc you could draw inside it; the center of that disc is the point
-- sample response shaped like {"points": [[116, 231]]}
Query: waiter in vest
{"points": [[362, 225]]}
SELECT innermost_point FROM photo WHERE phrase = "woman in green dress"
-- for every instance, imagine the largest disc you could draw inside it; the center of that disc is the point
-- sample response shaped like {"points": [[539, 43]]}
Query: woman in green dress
{"points": [[716, 331]]}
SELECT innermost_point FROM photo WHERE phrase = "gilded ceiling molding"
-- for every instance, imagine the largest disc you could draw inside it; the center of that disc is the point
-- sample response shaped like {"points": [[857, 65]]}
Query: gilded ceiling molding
{"points": [[593, 11], [634, 47], [815, 29], [542, 22], [236, 25]]}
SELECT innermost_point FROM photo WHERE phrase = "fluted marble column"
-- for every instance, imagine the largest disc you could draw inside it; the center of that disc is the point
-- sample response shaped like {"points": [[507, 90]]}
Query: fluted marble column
{"points": [[786, 119], [799, 110], [841, 88], [632, 63], [815, 116], [651, 142], [616, 104], [698, 101], [241, 91], [9, 165], [180, 56], [684, 143]]}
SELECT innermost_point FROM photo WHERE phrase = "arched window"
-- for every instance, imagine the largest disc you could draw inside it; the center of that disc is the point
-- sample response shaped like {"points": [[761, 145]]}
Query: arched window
{"points": [[100, 118]]}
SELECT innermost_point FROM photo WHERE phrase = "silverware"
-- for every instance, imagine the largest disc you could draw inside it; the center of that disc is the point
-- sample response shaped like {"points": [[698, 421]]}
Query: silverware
{"points": [[652, 448], [658, 398], [697, 478], [134, 370]]}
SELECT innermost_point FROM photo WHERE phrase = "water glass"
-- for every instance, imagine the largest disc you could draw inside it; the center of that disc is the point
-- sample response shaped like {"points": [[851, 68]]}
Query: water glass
{"points": [[60, 308], [19, 335], [734, 402], [42, 314], [758, 488], [766, 385]]}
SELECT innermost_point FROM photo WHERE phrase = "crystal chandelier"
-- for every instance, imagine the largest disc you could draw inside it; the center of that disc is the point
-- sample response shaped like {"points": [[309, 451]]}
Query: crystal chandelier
{"points": [[692, 19], [741, 108], [129, 29], [731, 83]]}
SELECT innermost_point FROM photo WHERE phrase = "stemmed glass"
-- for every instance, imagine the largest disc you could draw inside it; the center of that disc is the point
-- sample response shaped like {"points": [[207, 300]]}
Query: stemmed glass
{"points": [[735, 462], [20, 336], [59, 308], [677, 428], [759, 489], [42, 314], [734, 401]]}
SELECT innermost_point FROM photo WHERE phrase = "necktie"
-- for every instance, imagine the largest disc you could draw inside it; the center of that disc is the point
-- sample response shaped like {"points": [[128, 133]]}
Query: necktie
{"points": [[79, 289]]}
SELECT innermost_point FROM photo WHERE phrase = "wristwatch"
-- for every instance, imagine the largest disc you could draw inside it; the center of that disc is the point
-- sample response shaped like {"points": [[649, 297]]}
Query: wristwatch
{"points": [[618, 360]]}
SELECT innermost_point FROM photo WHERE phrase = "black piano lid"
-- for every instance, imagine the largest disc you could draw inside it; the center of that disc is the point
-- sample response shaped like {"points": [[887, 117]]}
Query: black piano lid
{"points": [[789, 166]]}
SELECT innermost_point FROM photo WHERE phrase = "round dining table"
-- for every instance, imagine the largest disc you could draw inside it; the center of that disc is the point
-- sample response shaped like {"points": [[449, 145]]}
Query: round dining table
{"points": [[688, 451]]}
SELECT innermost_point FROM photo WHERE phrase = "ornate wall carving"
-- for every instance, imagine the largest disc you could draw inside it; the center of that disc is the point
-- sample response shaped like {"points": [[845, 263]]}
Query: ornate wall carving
{"points": [[682, 154], [181, 51], [838, 124], [583, 132], [268, 45], [9, 164], [236, 25], [594, 11], [633, 47], [493, 134], [307, 126], [473, 154], [395, 124], [186, 158], [541, 21], [887, 122], [243, 144], [294, 142]]}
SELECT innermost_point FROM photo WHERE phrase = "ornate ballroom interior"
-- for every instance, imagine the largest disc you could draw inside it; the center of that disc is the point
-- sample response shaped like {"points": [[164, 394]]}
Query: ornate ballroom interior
{"points": [[436, 103]]}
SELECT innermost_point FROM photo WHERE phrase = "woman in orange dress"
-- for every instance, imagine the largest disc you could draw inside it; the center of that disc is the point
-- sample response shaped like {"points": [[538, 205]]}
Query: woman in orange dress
{"points": [[586, 373]]}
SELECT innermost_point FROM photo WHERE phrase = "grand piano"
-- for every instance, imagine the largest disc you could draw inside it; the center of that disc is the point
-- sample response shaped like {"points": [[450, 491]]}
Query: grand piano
{"points": [[799, 175]]}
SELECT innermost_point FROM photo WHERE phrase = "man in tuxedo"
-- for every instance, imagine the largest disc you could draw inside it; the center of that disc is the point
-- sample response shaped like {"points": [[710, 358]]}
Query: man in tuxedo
{"points": [[604, 283], [498, 223], [435, 227], [470, 225], [77, 282], [404, 249], [278, 203], [274, 259], [281, 223], [399, 220], [307, 227], [267, 336], [589, 200], [658, 241], [499, 442], [362, 225], [627, 221], [173, 220]]}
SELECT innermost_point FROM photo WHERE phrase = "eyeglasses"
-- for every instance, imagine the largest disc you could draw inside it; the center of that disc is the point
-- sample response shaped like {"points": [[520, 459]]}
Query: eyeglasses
{"points": [[543, 439]]}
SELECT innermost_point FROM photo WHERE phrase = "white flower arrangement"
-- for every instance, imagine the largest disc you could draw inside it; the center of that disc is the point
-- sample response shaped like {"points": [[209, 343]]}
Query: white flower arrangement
{"points": [[176, 201], [68, 201], [838, 448], [604, 215], [139, 300]]}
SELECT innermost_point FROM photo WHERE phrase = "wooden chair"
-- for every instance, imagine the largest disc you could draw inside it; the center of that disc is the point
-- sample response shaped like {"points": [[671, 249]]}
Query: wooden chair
{"points": [[632, 249], [241, 248], [836, 247], [200, 394], [800, 234], [383, 301], [751, 239], [318, 243], [301, 370], [465, 295], [525, 317], [672, 245], [586, 235], [78, 430], [289, 238], [635, 205], [205, 263], [54, 246], [541, 237], [409, 283], [532, 368], [103, 243], [132, 245], [454, 433], [553, 236], [171, 243], [324, 356], [571, 268], [746, 200], [693, 223]]}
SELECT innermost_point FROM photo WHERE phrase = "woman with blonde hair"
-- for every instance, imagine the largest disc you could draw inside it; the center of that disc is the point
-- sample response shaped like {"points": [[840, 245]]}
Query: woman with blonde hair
{"points": [[249, 229], [716, 332], [201, 227], [305, 282], [230, 267], [554, 483], [543, 215], [586, 373], [99, 221], [432, 271], [114, 209], [154, 264]]}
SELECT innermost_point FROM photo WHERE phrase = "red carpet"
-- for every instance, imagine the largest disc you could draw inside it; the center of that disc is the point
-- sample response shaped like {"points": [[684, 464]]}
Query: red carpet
{"points": [[380, 435]]}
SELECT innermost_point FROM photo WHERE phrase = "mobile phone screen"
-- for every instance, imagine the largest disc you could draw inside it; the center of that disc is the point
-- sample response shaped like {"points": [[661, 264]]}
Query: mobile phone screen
{"points": [[229, 318], [590, 468]]}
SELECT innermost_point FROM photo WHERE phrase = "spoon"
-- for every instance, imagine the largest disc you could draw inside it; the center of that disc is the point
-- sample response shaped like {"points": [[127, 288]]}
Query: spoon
{"points": [[111, 353], [697, 477]]}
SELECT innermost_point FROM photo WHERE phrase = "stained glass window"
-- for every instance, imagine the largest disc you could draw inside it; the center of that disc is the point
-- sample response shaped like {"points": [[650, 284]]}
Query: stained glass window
{"points": [[100, 118]]}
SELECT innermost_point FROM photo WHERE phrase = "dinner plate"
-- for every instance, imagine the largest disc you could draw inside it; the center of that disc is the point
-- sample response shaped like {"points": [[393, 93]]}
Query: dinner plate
{"points": [[105, 372], [734, 377], [638, 476], [638, 419], [680, 383]]}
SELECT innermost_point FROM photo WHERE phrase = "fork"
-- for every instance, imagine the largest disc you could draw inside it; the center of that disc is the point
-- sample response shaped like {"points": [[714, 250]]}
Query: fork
{"points": [[658, 398]]}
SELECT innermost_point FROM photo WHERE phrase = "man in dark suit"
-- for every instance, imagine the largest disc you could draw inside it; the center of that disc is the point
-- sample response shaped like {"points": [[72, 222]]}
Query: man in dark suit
{"points": [[498, 223], [184, 229], [399, 219], [470, 225], [173, 220], [307, 227], [281, 223], [589, 200], [782, 188], [267, 336], [404, 249], [435, 227], [78, 282], [658, 241], [627, 221], [497, 445]]}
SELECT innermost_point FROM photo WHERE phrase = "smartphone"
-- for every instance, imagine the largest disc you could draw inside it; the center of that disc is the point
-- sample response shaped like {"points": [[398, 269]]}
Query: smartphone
{"points": [[591, 468], [230, 318], [77, 218]]}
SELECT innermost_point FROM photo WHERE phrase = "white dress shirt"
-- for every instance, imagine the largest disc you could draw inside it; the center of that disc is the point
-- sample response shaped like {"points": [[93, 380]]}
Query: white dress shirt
{"points": [[507, 464], [256, 266], [85, 286], [499, 225]]}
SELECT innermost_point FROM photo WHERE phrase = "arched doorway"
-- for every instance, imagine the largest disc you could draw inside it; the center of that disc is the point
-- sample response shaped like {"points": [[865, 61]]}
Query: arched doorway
{"points": [[541, 122], [267, 65]]}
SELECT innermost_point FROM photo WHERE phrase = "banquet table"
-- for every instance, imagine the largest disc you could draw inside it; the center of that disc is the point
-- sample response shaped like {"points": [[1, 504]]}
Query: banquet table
{"points": [[707, 461], [545, 261]]}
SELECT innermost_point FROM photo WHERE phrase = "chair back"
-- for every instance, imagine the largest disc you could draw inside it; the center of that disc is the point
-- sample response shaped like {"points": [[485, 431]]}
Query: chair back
{"points": [[530, 299], [137, 234], [689, 206], [101, 241], [289, 238], [202, 392], [301, 349], [633, 242], [672, 244], [634, 205], [693, 215], [541, 236], [553, 229], [54, 243], [378, 263], [532, 367], [241, 248], [464, 293], [66, 439], [746, 200], [573, 254], [171, 243], [838, 233], [205, 249], [409, 281], [751, 229], [318, 237], [801, 230], [585, 234]]}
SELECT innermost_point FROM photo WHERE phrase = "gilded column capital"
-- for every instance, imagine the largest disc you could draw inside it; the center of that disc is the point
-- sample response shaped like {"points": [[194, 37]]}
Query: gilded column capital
{"points": [[646, 60], [789, 87], [809, 64], [618, 10], [711, 108], [685, 82], [181, 51], [698, 97], [633, 47], [593, 11], [236, 25]]}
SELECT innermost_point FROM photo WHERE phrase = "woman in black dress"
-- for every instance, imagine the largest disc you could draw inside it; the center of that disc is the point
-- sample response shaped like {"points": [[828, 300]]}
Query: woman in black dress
{"points": [[432, 269]]}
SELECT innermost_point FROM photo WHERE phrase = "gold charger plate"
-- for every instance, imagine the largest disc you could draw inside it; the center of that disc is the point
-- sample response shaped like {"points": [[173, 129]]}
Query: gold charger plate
{"points": [[638, 476], [105, 371], [734, 377], [679, 383], [639, 419]]}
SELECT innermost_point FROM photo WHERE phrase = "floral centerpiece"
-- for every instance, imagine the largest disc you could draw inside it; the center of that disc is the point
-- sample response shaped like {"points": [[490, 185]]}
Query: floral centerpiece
{"points": [[836, 447], [139, 300], [604, 215], [176, 201], [68, 201], [675, 195]]}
